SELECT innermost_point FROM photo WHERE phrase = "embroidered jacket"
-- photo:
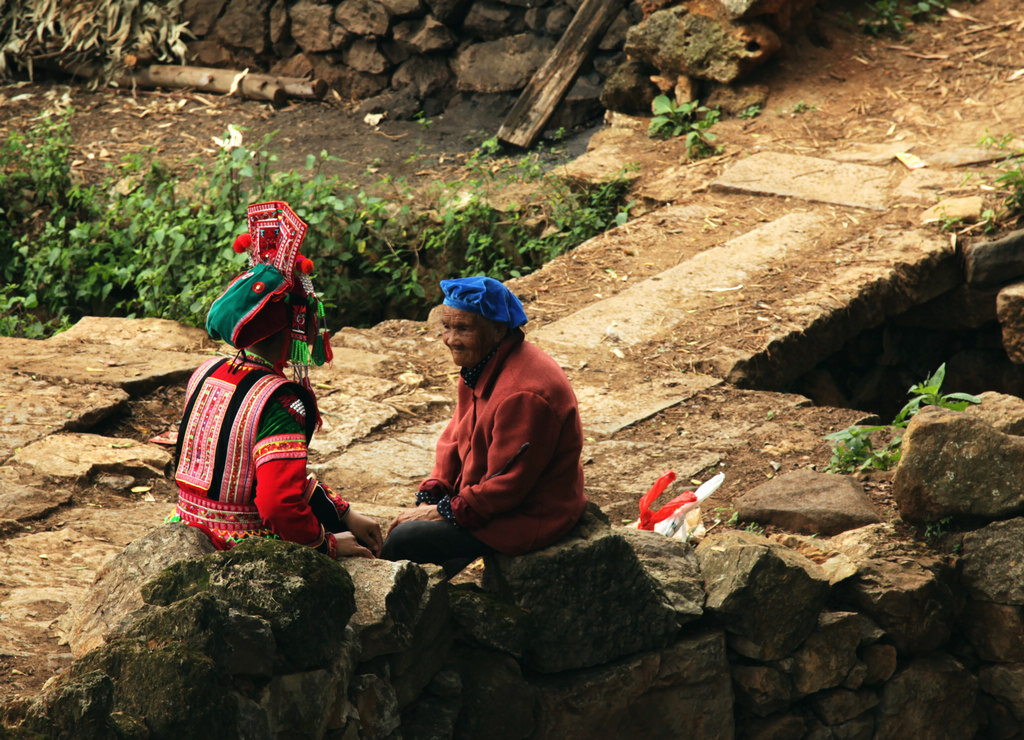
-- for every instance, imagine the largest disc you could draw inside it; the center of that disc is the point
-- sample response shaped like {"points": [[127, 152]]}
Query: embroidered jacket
{"points": [[241, 463]]}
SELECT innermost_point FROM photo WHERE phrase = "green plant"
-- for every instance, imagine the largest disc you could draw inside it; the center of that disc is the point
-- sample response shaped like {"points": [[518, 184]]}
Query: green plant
{"points": [[935, 530], [691, 120], [751, 111], [1012, 181], [885, 19], [927, 9], [853, 448], [143, 243], [802, 107]]}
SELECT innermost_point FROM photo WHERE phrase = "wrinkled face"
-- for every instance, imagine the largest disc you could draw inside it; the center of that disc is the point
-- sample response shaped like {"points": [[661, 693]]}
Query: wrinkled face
{"points": [[468, 336]]}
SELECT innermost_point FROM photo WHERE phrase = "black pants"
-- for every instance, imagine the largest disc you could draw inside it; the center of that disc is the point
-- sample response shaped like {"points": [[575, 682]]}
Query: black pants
{"points": [[441, 543]]}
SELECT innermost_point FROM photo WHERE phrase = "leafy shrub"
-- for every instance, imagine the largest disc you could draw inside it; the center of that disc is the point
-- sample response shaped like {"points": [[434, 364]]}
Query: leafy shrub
{"points": [[690, 119], [144, 243], [853, 448]]}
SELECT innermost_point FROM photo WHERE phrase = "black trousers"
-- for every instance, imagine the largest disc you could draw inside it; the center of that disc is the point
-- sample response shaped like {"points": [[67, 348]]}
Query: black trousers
{"points": [[441, 543]]}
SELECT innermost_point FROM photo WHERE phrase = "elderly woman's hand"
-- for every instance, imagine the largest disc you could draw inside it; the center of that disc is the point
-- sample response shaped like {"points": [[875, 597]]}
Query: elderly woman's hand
{"points": [[418, 513]]}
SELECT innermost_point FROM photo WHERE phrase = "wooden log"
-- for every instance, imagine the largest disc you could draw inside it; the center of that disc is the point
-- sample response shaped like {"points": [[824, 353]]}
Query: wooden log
{"points": [[552, 81], [210, 79]]}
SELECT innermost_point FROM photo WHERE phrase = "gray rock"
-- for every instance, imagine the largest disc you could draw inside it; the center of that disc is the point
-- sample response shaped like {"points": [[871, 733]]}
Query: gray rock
{"points": [[677, 42], [629, 89], [1006, 684], [402, 8], [592, 598], [298, 705], [244, 24], [652, 695], [489, 21], [996, 631], [955, 464], [426, 76], [497, 701], [762, 689], [305, 597], [388, 596], [375, 702], [450, 12], [424, 35], [827, 656], [201, 14], [881, 661], [734, 99], [1001, 410], [839, 706], [992, 568], [766, 596], [364, 55], [808, 502], [116, 590], [279, 27], [311, 25], [934, 697], [500, 66], [66, 456], [995, 262], [964, 307], [914, 600], [1009, 305], [489, 621], [363, 17]]}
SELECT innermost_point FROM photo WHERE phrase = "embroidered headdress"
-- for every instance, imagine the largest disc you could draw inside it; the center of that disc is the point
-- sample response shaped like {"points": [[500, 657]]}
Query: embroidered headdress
{"points": [[275, 292]]}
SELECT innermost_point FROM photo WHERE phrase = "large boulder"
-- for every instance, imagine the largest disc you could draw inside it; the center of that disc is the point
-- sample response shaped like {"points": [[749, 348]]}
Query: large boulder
{"points": [[680, 43], [116, 591], [503, 65], [1001, 410], [599, 594], [829, 658], [767, 596], [955, 464], [808, 502]]}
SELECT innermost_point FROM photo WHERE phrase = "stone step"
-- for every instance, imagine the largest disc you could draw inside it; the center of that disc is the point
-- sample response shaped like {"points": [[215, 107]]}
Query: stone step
{"points": [[809, 178], [747, 315]]}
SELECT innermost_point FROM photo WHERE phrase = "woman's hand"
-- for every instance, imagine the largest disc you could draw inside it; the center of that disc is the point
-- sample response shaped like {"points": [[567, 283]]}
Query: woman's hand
{"points": [[366, 529], [418, 513], [349, 547]]}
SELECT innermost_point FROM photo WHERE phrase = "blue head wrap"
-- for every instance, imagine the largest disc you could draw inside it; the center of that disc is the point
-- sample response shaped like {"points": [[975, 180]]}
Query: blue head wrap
{"points": [[484, 296]]}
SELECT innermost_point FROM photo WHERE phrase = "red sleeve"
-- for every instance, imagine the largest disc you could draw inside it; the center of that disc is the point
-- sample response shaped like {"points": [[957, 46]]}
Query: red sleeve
{"points": [[447, 464], [283, 490]]}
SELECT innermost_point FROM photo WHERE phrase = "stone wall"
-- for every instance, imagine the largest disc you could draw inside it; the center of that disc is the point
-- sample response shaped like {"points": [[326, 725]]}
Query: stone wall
{"points": [[612, 633], [400, 56]]}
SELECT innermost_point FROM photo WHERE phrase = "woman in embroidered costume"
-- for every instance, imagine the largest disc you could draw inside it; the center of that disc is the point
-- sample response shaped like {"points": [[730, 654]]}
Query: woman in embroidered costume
{"points": [[242, 442], [507, 475]]}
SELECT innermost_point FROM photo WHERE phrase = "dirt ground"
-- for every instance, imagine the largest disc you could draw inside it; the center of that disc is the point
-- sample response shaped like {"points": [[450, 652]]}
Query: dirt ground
{"points": [[846, 88]]}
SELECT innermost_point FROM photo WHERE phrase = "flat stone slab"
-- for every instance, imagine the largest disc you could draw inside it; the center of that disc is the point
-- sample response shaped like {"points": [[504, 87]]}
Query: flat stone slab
{"points": [[83, 455], [364, 471], [23, 503], [346, 419], [150, 334], [605, 412], [644, 310], [31, 408], [809, 178], [61, 359]]}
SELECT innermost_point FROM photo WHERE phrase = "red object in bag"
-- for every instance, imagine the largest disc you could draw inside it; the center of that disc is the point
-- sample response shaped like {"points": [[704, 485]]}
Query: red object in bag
{"points": [[649, 518]]}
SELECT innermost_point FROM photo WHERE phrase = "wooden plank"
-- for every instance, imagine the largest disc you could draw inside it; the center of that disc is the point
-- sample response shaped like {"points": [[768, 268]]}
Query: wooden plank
{"points": [[552, 81]]}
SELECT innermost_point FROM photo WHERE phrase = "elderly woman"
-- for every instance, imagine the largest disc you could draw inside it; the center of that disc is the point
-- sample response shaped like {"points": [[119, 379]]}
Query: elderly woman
{"points": [[507, 475], [241, 457]]}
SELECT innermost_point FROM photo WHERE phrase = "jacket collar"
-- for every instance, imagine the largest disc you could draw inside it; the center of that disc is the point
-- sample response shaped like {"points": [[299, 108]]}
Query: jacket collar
{"points": [[490, 373]]}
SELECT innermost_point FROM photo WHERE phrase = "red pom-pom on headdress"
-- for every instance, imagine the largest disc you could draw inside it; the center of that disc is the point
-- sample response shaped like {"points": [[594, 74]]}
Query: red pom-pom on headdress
{"points": [[304, 265], [242, 243]]}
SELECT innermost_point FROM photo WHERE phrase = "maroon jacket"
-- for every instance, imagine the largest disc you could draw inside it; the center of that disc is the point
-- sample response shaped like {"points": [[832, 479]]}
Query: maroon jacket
{"points": [[510, 456]]}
